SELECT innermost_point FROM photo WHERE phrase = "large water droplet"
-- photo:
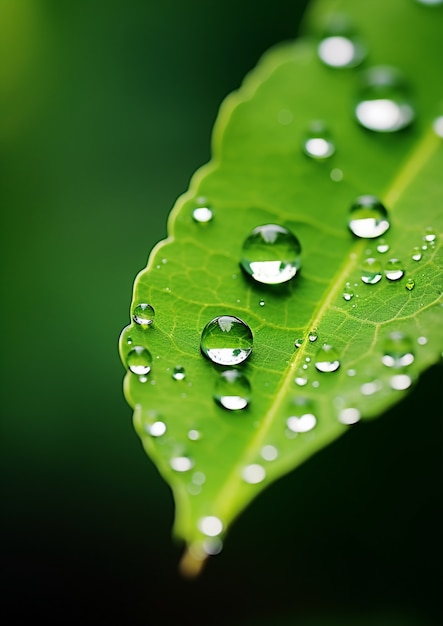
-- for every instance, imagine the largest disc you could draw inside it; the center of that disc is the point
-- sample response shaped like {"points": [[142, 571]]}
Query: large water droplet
{"points": [[400, 382], [271, 254], [340, 47], [318, 144], [178, 373], [397, 350], [371, 271], [210, 525], [394, 270], [226, 340], [143, 315], [232, 390], [254, 473], [384, 103], [368, 217], [139, 360], [326, 359]]}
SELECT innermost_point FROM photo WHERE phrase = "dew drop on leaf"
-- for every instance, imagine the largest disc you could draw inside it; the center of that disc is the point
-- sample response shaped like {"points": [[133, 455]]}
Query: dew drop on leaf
{"points": [[397, 350], [339, 46], [349, 415], [368, 217], [400, 382], [210, 525], [232, 390], [302, 423], [410, 284], [371, 271], [271, 254], [262, 303], [384, 104], [178, 373], [157, 429], [438, 126], [143, 315], [313, 336], [298, 343], [139, 360], [301, 378], [382, 246], [269, 452], [254, 473], [318, 144], [348, 294], [416, 253], [202, 213], [326, 359], [194, 435], [226, 340], [430, 235], [181, 463], [336, 174], [430, 3], [394, 270]]}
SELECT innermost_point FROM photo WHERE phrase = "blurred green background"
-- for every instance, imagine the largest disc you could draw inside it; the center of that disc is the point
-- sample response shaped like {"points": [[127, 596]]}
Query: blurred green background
{"points": [[106, 110]]}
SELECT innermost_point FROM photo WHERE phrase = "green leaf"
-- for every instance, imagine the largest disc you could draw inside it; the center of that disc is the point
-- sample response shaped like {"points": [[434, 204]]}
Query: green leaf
{"points": [[259, 175]]}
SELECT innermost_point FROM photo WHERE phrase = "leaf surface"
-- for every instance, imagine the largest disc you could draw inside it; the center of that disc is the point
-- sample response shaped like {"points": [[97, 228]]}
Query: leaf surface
{"points": [[216, 460]]}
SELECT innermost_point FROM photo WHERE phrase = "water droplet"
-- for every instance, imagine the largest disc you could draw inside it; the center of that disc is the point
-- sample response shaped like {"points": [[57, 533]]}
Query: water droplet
{"points": [[422, 341], [410, 284], [430, 235], [226, 340], [394, 270], [351, 372], [139, 360], [262, 303], [348, 294], [271, 254], [143, 315], [300, 377], [384, 103], [430, 3], [416, 253], [336, 174], [371, 271], [232, 390], [194, 435], [438, 125], [157, 429], [318, 144], [269, 453], [349, 416], [313, 336], [368, 217], [181, 463], [397, 350], [254, 473], [326, 359], [298, 343], [400, 382], [371, 387], [210, 525], [178, 373], [203, 212], [301, 424], [340, 47], [382, 246]]}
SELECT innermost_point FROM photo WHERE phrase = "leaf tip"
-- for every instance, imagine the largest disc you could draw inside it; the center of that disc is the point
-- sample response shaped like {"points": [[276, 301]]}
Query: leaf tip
{"points": [[191, 565]]}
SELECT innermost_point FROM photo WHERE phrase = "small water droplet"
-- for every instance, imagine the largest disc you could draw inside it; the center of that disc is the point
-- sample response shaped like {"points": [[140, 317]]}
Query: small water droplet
{"points": [[384, 103], [397, 350], [226, 340], [422, 341], [371, 387], [368, 217], [181, 463], [269, 453], [438, 125], [271, 254], [400, 382], [394, 270], [254, 474], [382, 246], [318, 144], [143, 315], [336, 174], [340, 47], [312, 336], [301, 424], [416, 253], [351, 372], [194, 435], [178, 373], [202, 213], [157, 429], [300, 377], [348, 294], [210, 525], [262, 303], [326, 359], [349, 415], [298, 343], [371, 271], [143, 379], [232, 390], [430, 235], [139, 360], [410, 284]]}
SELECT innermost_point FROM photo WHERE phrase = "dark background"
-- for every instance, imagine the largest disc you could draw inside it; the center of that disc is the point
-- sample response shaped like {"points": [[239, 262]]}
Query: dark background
{"points": [[106, 111]]}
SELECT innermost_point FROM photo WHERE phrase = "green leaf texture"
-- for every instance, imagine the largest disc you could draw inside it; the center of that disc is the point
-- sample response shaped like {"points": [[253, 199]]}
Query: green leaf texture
{"points": [[258, 175]]}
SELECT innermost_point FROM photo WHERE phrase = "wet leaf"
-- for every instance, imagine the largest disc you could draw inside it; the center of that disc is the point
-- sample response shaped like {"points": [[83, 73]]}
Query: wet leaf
{"points": [[355, 320]]}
